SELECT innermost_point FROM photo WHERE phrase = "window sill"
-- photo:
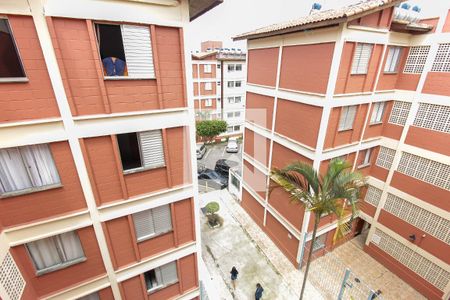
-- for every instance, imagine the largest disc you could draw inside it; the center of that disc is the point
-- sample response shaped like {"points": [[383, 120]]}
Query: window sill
{"points": [[149, 237], [376, 123], [60, 266], [155, 289], [127, 78], [363, 166], [357, 74], [14, 79], [31, 190], [345, 129], [390, 73], [138, 170]]}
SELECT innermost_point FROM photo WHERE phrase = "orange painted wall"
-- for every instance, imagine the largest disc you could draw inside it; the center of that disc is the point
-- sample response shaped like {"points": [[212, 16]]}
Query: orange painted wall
{"points": [[208, 75], [259, 109], [252, 207], [255, 179], [33, 99], [354, 83], [50, 203], [392, 131], [205, 92], [420, 284], [298, 121], [53, 282], [431, 21], [262, 66], [202, 103], [306, 67], [376, 129], [432, 140], [194, 71], [388, 81], [257, 146], [437, 83], [282, 156], [446, 27], [281, 202], [106, 294], [379, 19]]}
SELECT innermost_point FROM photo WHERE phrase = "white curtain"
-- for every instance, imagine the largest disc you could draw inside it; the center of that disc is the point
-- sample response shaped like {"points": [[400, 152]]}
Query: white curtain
{"points": [[70, 243], [13, 173], [39, 160], [44, 253]]}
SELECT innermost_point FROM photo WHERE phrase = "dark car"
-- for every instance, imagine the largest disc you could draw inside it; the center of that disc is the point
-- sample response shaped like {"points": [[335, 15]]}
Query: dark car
{"points": [[223, 166], [213, 179]]}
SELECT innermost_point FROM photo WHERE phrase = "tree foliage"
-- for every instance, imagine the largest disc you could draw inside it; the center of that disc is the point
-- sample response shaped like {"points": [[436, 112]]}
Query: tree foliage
{"points": [[209, 129]]}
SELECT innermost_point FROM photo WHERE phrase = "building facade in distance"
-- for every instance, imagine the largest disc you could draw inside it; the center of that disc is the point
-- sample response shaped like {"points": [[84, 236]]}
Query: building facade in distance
{"points": [[219, 85], [369, 83], [97, 183]]}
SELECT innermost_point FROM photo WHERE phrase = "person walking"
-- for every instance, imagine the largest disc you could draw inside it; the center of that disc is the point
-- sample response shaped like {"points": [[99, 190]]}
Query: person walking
{"points": [[259, 291], [234, 273]]}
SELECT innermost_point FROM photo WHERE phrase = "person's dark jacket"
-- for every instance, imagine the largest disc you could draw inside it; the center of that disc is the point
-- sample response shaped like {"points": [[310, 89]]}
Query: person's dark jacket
{"points": [[258, 293]]}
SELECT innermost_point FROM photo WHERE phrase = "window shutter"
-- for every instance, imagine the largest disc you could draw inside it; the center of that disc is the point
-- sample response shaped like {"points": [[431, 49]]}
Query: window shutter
{"points": [[361, 58], [162, 218], [169, 273], [143, 224], [138, 51], [152, 148]]}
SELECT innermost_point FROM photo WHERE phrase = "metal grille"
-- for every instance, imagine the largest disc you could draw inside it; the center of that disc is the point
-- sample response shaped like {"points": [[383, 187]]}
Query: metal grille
{"points": [[434, 117], [414, 261], [373, 195], [419, 217], [442, 60], [399, 113], [417, 57], [10, 278], [426, 170], [385, 157]]}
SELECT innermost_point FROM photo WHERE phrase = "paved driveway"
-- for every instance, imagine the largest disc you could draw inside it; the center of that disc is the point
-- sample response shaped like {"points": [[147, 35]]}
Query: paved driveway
{"points": [[216, 152]]}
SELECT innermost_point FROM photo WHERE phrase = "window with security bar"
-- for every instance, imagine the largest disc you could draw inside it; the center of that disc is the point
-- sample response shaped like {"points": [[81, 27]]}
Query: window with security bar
{"points": [[434, 117], [399, 112], [442, 59], [417, 57]]}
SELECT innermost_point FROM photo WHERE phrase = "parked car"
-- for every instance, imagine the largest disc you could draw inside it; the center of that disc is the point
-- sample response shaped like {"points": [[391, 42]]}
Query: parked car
{"points": [[213, 178], [232, 146], [223, 166], [201, 150]]}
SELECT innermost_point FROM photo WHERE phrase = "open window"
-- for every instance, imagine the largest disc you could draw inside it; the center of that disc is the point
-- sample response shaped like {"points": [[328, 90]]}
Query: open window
{"points": [[161, 277], [10, 64], [125, 51]]}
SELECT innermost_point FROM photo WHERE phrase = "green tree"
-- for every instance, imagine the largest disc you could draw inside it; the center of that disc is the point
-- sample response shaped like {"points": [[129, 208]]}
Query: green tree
{"points": [[209, 129], [334, 193]]}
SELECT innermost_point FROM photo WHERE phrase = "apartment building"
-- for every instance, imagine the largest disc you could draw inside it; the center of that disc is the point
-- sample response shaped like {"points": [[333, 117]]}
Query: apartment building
{"points": [[219, 85], [369, 83], [97, 183]]}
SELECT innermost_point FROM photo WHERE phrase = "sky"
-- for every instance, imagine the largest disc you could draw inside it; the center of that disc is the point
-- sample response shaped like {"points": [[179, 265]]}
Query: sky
{"points": [[233, 17]]}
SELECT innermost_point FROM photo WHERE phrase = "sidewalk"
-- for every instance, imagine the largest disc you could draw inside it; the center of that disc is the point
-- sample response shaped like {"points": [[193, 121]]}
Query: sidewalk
{"points": [[240, 242]]}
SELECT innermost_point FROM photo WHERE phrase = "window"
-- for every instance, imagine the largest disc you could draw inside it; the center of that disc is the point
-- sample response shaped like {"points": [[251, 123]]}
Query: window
{"points": [[237, 99], [434, 117], [442, 60], [230, 129], [235, 182], [230, 68], [218, 66], [416, 59], [237, 114], [348, 114], [239, 67], [385, 157], [231, 100], [238, 84], [229, 115], [319, 243], [27, 167], [161, 277], [237, 128], [219, 83], [10, 64], [367, 156], [230, 84], [208, 102], [377, 113], [152, 222], [141, 150], [361, 58], [207, 68], [93, 296], [373, 195], [392, 59], [208, 86], [125, 50], [56, 252], [399, 112]]}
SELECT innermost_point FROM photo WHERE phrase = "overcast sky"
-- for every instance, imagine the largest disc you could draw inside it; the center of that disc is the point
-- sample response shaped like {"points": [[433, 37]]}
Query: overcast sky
{"points": [[233, 17]]}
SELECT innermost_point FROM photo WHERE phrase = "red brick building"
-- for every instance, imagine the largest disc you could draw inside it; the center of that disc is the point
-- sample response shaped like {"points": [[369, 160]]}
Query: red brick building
{"points": [[97, 181], [369, 83]]}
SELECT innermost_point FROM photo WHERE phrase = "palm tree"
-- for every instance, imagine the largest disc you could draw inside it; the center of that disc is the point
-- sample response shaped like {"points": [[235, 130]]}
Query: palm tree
{"points": [[322, 195]]}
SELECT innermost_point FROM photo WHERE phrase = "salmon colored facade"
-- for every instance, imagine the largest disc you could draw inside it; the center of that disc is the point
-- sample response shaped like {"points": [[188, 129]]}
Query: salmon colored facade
{"points": [[375, 93], [97, 196]]}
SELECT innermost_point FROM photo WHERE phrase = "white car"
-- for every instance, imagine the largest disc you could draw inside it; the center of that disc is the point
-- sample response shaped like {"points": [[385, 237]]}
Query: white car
{"points": [[232, 146]]}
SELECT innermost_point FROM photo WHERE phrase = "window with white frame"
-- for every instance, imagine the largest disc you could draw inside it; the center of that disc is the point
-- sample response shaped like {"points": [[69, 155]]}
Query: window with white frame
{"points": [[208, 102], [385, 157], [361, 58], [319, 243], [93, 296], [229, 115], [399, 112], [237, 114], [347, 118], [430, 171], [218, 66], [442, 60], [237, 99], [417, 57], [161, 277], [238, 67], [434, 117], [141, 150], [230, 68], [373, 195], [238, 84], [392, 59], [377, 112], [152, 222], [125, 50], [367, 156], [27, 167], [237, 128], [230, 129], [231, 100], [208, 86], [231, 84], [56, 252], [10, 63], [207, 68]]}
